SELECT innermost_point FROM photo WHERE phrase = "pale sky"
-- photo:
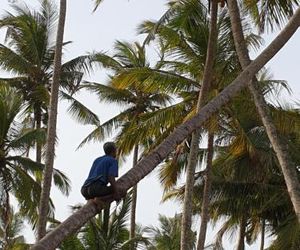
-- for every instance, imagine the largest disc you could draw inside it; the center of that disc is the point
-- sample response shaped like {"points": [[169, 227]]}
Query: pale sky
{"points": [[117, 20]]}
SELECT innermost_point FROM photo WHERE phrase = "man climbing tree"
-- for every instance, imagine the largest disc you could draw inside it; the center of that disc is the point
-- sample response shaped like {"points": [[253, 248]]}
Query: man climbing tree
{"points": [[103, 171]]}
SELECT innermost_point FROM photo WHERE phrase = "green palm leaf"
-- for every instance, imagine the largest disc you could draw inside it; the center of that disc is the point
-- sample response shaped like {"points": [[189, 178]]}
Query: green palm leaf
{"points": [[80, 112], [108, 93], [106, 129], [26, 164], [153, 80], [271, 14], [29, 137], [106, 61], [27, 192], [61, 181]]}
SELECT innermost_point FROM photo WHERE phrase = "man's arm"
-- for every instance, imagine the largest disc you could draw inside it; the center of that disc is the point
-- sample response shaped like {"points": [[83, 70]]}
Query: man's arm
{"points": [[116, 193], [112, 182]]}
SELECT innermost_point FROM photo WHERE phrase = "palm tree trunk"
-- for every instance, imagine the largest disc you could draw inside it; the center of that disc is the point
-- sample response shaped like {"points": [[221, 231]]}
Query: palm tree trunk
{"points": [[106, 215], [51, 133], [149, 162], [6, 214], [134, 199], [242, 233], [287, 166], [262, 241], [38, 119], [193, 155], [206, 193]]}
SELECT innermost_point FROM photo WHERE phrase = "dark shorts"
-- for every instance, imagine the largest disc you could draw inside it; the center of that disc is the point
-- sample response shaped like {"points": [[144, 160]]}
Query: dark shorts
{"points": [[95, 189]]}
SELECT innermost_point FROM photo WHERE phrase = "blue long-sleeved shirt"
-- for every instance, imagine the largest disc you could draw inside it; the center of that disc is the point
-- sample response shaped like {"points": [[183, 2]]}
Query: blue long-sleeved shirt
{"points": [[102, 167]]}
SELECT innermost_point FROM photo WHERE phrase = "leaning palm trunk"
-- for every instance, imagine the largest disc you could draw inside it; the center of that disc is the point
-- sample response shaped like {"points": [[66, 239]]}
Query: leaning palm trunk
{"points": [[193, 155], [206, 193], [149, 162], [287, 166], [242, 234], [51, 133], [134, 200]]}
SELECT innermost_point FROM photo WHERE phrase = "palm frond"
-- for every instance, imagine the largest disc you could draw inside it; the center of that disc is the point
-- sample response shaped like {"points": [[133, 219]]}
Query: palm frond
{"points": [[218, 244], [73, 71], [108, 93], [61, 181], [97, 3], [288, 235], [27, 192], [106, 61], [105, 129], [153, 31], [153, 80], [28, 31], [11, 104], [130, 55], [28, 138], [81, 113], [271, 14], [26, 164], [80, 63]]}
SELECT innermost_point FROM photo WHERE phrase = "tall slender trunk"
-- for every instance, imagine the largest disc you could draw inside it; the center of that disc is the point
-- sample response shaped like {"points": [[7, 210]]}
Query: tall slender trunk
{"points": [[149, 162], [287, 166], [106, 215], [51, 133], [38, 120], [194, 148], [206, 193], [188, 192], [242, 234], [263, 228], [6, 217], [134, 199]]}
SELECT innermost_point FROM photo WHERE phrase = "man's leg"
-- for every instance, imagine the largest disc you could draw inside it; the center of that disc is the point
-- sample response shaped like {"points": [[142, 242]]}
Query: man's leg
{"points": [[98, 190], [85, 193]]}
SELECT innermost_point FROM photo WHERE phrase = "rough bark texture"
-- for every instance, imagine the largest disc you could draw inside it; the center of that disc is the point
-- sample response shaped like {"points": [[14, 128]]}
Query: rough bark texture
{"points": [[38, 118], [287, 166], [51, 133], [242, 234], [106, 216], [149, 162], [188, 192], [194, 148], [134, 199], [5, 216], [206, 193]]}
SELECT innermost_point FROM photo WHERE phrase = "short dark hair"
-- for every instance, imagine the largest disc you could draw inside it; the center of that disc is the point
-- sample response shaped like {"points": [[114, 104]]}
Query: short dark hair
{"points": [[109, 148]]}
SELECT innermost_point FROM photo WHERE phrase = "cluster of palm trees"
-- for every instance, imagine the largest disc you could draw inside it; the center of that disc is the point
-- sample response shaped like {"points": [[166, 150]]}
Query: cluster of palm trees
{"points": [[246, 178]]}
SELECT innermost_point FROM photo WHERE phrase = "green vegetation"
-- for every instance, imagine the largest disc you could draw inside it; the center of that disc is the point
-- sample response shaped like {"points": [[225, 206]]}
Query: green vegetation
{"points": [[246, 179]]}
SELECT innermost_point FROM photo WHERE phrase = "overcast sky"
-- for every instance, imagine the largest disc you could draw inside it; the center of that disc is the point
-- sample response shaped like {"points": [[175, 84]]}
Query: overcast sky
{"points": [[117, 20]]}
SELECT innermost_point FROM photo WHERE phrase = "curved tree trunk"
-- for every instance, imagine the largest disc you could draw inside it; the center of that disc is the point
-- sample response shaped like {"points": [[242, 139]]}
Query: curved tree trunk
{"points": [[287, 166], [263, 228], [194, 148], [206, 193], [51, 133], [134, 199], [242, 234], [149, 162]]}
